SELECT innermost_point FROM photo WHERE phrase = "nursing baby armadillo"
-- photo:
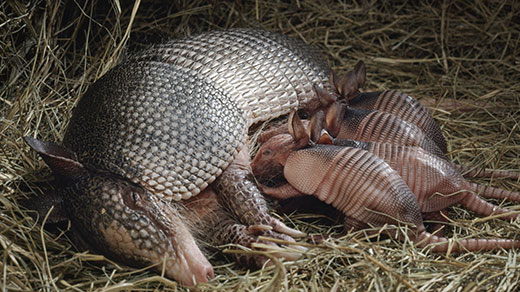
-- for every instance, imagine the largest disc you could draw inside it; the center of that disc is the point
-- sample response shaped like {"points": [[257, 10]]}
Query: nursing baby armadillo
{"points": [[167, 124], [377, 183]]}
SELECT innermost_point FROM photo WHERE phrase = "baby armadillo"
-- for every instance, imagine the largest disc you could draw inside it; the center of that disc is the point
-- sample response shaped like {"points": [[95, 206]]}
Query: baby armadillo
{"points": [[169, 123], [395, 102], [374, 185]]}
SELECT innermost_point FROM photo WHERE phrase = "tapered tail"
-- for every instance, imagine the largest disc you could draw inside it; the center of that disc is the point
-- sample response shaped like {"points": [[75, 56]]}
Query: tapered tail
{"points": [[443, 244], [487, 172], [476, 204], [495, 193]]}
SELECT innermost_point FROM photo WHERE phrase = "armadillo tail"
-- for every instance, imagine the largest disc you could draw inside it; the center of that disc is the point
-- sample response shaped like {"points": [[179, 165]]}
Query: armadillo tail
{"points": [[495, 193], [443, 244], [476, 204], [487, 172]]}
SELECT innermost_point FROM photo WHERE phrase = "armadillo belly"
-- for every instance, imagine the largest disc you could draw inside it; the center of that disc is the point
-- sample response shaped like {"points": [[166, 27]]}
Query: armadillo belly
{"points": [[172, 118]]}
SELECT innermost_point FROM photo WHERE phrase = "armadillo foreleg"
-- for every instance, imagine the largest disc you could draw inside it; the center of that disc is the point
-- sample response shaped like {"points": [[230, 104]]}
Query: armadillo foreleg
{"points": [[211, 221], [235, 233], [239, 193]]}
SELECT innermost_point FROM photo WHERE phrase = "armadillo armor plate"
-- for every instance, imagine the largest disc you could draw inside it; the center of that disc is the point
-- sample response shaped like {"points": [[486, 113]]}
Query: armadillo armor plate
{"points": [[173, 117]]}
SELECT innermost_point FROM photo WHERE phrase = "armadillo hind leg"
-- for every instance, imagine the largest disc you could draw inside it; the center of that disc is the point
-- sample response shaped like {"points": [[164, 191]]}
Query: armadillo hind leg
{"points": [[240, 195]]}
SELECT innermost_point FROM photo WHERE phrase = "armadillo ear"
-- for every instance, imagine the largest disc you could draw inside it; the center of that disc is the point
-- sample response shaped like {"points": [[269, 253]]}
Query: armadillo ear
{"points": [[334, 118], [333, 80], [297, 130], [315, 126], [360, 71], [324, 97], [62, 161]]}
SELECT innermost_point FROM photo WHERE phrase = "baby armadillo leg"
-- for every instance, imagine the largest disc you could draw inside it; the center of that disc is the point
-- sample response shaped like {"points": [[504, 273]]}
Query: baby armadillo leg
{"points": [[476, 204], [438, 219], [282, 192], [353, 224], [239, 193]]}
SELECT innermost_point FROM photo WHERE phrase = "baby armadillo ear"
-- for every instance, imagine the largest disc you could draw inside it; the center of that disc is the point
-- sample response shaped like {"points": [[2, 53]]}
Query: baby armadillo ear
{"points": [[315, 126], [349, 85], [334, 80], [360, 71], [62, 161], [324, 97], [334, 117], [297, 130]]}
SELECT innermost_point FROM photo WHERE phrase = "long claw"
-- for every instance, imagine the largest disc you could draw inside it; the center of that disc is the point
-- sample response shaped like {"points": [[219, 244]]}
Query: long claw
{"points": [[299, 248], [277, 251], [258, 229], [282, 228]]}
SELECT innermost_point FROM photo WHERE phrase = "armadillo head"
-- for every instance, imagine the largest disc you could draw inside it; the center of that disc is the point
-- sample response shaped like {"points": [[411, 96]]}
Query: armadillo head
{"points": [[273, 154], [123, 220], [271, 157]]}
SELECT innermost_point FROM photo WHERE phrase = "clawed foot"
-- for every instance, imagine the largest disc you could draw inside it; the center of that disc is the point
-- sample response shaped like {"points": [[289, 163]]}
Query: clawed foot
{"points": [[256, 238], [278, 226]]}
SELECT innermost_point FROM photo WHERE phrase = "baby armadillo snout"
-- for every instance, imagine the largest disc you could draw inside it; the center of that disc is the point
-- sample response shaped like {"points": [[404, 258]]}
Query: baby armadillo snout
{"points": [[135, 226]]}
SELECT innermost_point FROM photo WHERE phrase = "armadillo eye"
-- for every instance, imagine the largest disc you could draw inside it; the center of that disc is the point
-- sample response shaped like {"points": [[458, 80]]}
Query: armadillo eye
{"points": [[267, 152], [131, 198], [134, 197]]}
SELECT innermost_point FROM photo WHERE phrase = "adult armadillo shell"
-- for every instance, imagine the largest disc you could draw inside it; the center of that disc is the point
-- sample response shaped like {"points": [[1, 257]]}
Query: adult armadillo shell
{"points": [[128, 123], [173, 117]]}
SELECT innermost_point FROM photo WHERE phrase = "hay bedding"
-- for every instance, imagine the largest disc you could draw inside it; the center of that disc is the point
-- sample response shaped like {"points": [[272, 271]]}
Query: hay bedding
{"points": [[462, 58]]}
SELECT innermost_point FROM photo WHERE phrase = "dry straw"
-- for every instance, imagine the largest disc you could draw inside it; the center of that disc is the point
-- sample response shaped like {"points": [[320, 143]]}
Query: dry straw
{"points": [[461, 58]]}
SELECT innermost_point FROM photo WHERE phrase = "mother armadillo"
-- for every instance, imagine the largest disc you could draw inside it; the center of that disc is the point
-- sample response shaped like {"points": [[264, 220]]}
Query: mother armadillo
{"points": [[167, 123]]}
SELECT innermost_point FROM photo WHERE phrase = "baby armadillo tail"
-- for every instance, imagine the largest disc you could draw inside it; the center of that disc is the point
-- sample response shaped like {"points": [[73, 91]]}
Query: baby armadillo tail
{"points": [[496, 193], [486, 172], [443, 244]]}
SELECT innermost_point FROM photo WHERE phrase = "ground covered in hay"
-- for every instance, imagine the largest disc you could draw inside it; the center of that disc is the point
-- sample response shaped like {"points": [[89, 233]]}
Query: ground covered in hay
{"points": [[461, 58]]}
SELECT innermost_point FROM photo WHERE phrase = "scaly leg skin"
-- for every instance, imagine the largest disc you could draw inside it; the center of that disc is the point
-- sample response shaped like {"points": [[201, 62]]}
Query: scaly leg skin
{"points": [[241, 196], [212, 222]]}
